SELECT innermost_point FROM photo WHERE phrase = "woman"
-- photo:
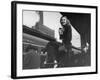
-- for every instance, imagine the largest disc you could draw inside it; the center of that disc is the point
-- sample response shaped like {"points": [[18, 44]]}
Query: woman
{"points": [[65, 34]]}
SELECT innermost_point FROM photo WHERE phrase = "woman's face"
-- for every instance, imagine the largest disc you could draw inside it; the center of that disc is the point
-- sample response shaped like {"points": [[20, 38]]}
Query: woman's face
{"points": [[64, 21]]}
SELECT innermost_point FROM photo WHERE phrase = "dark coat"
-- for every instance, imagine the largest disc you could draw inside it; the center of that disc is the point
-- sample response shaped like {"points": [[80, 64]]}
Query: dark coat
{"points": [[66, 35]]}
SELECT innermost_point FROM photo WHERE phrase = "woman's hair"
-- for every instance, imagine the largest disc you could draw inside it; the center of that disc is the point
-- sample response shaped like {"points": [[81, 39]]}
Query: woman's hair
{"points": [[68, 22]]}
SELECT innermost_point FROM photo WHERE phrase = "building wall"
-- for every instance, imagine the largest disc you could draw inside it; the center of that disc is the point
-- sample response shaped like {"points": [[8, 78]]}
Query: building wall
{"points": [[45, 30]]}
